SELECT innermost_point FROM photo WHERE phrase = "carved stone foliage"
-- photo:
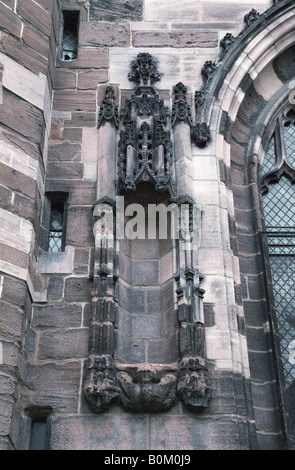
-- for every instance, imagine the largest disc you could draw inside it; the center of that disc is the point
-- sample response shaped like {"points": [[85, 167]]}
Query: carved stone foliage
{"points": [[252, 16], [148, 389], [144, 70], [101, 387], [145, 147], [108, 110], [226, 43], [193, 386]]}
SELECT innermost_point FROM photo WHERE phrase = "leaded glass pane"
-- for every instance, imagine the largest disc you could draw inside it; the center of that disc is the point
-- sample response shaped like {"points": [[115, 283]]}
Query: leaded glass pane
{"points": [[70, 35], [55, 241], [56, 230], [279, 205], [69, 46], [289, 131], [269, 161], [56, 222], [279, 214]]}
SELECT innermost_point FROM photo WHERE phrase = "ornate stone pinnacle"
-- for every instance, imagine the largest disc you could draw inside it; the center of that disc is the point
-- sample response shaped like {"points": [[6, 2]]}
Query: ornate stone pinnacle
{"points": [[181, 111], [144, 70], [108, 110]]}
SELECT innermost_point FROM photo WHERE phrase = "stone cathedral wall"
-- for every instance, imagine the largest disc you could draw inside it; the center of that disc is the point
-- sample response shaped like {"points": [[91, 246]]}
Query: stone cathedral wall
{"points": [[49, 144]]}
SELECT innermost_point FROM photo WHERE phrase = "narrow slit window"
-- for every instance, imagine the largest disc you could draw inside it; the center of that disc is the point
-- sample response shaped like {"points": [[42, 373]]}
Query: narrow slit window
{"points": [[70, 35], [57, 223], [36, 429], [39, 434]]}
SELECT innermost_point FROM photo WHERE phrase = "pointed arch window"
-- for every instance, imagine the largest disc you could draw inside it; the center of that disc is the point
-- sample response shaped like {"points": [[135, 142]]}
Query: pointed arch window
{"points": [[277, 184]]}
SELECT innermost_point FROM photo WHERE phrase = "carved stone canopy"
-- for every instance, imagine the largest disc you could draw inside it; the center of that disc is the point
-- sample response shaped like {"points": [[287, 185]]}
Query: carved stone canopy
{"points": [[145, 146]]}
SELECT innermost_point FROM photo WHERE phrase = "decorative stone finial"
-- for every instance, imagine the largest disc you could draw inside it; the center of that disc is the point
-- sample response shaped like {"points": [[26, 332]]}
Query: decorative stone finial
{"points": [[144, 70], [109, 110], [181, 111]]}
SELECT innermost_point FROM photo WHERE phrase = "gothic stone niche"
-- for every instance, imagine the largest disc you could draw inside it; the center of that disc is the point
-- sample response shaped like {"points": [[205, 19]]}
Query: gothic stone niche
{"points": [[146, 344]]}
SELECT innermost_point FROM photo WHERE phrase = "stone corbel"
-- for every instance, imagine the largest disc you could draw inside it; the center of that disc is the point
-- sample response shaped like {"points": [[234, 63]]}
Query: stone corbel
{"points": [[149, 388], [101, 387], [194, 387]]}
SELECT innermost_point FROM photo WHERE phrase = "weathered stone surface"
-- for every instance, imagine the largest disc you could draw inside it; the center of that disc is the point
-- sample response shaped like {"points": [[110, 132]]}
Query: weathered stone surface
{"points": [[89, 79], [5, 414], [104, 34], [14, 256], [5, 197], [54, 385], [22, 117], [10, 21], [98, 432], [55, 288], [13, 290], [64, 344], [171, 10], [88, 58], [110, 10], [81, 260], [20, 143], [146, 273], [188, 433], [8, 384], [214, 11], [35, 40], [80, 226], [23, 54], [82, 119], [174, 39], [67, 170], [64, 151], [35, 15], [57, 316], [64, 79], [24, 207], [11, 319], [78, 289], [146, 327], [68, 100]]}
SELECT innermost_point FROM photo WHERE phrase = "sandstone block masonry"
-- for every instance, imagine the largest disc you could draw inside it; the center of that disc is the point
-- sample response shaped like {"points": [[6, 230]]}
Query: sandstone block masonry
{"points": [[50, 144]]}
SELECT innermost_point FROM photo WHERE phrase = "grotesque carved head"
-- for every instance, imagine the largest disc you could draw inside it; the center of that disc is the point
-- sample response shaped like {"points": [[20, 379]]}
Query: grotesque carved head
{"points": [[193, 386], [201, 133], [101, 386]]}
